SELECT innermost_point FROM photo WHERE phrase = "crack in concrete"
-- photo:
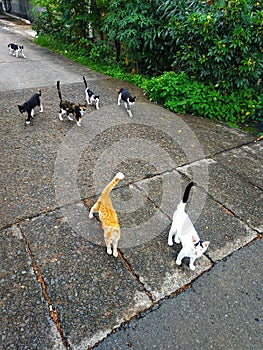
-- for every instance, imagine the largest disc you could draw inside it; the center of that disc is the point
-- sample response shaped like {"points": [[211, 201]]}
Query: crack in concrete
{"points": [[53, 313]]}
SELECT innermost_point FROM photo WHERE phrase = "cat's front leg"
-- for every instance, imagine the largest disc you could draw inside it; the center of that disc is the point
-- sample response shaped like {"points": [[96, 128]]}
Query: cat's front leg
{"points": [[191, 264], [119, 99], [41, 108], [28, 118], [180, 257]]}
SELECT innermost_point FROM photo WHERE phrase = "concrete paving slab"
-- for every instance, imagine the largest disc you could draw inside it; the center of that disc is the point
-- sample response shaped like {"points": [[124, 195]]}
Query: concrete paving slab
{"points": [[212, 220], [91, 291], [25, 319], [214, 136], [221, 310], [246, 161], [237, 195]]}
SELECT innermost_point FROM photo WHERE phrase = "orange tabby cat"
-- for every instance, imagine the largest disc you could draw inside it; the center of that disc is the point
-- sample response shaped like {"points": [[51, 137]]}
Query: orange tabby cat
{"points": [[108, 216]]}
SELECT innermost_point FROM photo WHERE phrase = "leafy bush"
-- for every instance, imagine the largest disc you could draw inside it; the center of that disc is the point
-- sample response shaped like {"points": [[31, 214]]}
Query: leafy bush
{"points": [[222, 42], [182, 94]]}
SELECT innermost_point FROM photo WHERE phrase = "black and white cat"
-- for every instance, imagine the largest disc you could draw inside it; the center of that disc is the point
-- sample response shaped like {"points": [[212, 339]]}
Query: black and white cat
{"points": [[16, 50], [128, 100], [67, 107], [29, 105], [90, 96], [183, 230]]}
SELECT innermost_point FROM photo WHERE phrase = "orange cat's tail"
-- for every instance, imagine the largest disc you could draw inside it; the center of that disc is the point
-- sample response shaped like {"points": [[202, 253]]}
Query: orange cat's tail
{"points": [[119, 176]]}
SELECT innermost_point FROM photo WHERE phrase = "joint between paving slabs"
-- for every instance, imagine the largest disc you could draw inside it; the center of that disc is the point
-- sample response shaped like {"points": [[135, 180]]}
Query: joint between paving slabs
{"points": [[53, 313], [129, 268]]}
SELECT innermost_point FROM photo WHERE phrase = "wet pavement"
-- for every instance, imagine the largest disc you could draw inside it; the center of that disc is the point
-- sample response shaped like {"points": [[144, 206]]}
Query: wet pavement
{"points": [[59, 288]]}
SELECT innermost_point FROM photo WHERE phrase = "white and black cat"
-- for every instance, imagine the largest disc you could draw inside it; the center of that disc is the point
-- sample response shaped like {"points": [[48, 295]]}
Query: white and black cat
{"points": [[16, 50], [67, 107], [183, 230], [29, 105], [128, 100], [90, 96]]}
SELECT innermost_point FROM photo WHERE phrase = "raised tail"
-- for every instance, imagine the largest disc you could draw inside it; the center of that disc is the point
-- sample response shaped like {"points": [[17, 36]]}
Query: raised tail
{"points": [[86, 85], [119, 176], [39, 92], [187, 192], [59, 91]]}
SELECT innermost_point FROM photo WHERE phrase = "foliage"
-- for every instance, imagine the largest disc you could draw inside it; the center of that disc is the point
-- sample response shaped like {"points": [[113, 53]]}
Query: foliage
{"points": [[222, 43], [74, 20], [182, 94], [215, 49], [136, 25]]}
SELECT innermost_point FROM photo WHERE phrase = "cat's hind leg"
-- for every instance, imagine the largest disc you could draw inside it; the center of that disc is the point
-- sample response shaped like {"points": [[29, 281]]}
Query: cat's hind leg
{"points": [[115, 246], [191, 264], [61, 113], [108, 242]]}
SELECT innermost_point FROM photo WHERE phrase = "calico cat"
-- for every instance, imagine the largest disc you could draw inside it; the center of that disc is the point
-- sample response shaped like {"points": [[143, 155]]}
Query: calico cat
{"points": [[16, 50], [68, 108], [128, 100], [108, 216], [184, 232], [90, 96], [29, 105]]}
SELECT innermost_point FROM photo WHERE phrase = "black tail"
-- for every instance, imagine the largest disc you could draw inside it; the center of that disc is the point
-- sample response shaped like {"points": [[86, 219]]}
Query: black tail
{"points": [[59, 91], [86, 85], [187, 192], [39, 92]]}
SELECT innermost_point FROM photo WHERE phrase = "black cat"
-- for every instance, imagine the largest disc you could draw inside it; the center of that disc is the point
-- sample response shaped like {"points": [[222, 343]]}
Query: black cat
{"points": [[29, 105], [128, 100]]}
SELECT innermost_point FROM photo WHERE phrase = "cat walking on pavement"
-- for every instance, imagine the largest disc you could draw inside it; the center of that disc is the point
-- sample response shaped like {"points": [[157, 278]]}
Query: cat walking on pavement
{"points": [[125, 96], [108, 216], [29, 105], [183, 231]]}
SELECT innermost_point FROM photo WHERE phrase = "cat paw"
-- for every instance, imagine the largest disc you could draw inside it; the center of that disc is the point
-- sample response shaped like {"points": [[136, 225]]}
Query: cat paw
{"points": [[109, 251], [170, 242], [192, 267], [115, 253], [178, 262], [90, 215]]}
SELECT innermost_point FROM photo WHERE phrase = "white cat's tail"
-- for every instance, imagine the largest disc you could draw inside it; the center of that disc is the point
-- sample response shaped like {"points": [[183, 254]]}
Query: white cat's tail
{"points": [[187, 192], [86, 85], [119, 176]]}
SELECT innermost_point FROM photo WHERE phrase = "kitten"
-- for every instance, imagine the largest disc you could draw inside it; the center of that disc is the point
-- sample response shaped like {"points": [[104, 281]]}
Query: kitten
{"points": [[128, 100], [29, 105], [108, 216], [184, 232], [68, 108], [16, 50], [90, 96]]}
